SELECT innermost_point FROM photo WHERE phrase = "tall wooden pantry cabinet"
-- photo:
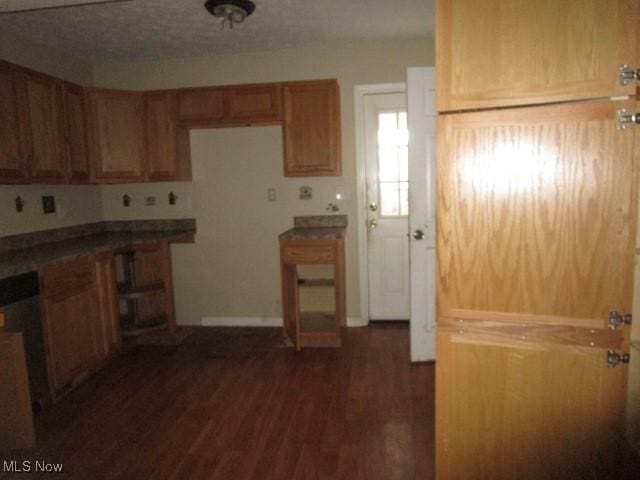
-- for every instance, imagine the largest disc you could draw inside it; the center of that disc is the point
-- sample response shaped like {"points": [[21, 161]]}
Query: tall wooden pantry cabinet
{"points": [[537, 176]]}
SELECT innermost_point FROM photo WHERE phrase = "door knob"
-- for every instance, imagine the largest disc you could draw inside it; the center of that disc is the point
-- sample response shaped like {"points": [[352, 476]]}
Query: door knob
{"points": [[418, 234], [372, 223], [373, 206]]}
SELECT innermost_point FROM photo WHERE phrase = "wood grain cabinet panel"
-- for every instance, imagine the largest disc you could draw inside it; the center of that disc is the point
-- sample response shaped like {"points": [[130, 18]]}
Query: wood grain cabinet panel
{"points": [[536, 223], [117, 132], [512, 52], [45, 123], [311, 128], [70, 322], [108, 328], [200, 106], [168, 150], [13, 166], [76, 134], [254, 104]]}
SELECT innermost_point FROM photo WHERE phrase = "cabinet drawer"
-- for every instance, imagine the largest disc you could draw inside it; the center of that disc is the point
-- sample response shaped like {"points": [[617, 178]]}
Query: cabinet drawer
{"points": [[65, 277], [308, 254]]}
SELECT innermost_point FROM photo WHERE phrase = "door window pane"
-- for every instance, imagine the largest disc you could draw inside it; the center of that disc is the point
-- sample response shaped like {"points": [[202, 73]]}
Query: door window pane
{"points": [[403, 164], [393, 164], [389, 199], [388, 164]]}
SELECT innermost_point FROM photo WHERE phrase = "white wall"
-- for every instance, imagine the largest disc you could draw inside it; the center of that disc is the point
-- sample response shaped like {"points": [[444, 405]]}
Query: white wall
{"points": [[75, 205], [198, 268]]}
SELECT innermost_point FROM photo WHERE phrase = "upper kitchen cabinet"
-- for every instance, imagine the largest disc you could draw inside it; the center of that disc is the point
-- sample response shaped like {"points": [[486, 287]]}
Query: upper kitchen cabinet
{"points": [[200, 107], [13, 165], [511, 52], [76, 133], [311, 128], [253, 104], [47, 158], [117, 126], [168, 151], [230, 106]]}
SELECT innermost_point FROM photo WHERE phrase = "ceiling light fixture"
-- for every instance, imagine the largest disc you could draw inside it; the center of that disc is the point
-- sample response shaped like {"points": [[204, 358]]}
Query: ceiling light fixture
{"points": [[230, 11]]}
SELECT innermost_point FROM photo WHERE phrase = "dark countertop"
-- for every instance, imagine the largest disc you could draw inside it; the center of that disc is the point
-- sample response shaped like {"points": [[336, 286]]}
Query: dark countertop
{"points": [[15, 261], [314, 233], [317, 227]]}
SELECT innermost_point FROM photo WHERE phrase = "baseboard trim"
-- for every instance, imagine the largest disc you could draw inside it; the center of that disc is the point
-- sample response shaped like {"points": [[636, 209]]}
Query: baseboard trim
{"points": [[262, 322], [357, 322], [241, 322]]}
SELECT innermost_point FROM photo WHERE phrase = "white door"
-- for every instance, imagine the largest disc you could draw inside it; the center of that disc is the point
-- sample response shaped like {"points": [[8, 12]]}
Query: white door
{"points": [[387, 204], [421, 121]]}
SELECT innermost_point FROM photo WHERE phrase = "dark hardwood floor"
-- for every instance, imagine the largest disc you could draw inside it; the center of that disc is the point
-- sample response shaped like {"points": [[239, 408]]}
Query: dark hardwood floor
{"points": [[233, 404]]}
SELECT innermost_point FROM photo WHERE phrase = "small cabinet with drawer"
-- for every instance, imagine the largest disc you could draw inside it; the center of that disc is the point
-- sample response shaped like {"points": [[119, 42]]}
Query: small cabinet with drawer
{"points": [[305, 328]]}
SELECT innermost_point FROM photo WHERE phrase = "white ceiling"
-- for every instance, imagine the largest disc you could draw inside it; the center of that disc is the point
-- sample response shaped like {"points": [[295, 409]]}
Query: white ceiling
{"points": [[154, 29]]}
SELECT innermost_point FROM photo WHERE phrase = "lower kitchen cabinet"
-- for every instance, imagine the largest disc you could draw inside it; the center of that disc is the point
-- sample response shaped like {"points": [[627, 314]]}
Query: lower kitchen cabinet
{"points": [[109, 329], [79, 317]]}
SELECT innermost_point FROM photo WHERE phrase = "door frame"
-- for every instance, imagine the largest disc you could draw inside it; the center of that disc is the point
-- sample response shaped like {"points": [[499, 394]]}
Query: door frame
{"points": [[359, 92]]}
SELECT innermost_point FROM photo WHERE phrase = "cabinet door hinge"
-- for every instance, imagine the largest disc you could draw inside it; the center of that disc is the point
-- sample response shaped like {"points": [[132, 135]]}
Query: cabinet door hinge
{"points": [[616, 319], [627, 74], [626, 118], [614, 358]]}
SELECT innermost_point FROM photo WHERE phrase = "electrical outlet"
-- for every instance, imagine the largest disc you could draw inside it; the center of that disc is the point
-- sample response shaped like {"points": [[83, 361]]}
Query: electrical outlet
{"points": [[48, 204], [150, 201], [271, 194], [305, 193]]}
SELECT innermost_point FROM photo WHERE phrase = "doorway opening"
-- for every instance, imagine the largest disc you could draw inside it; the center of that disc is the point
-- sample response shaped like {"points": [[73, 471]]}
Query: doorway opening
{"points": [[395, 126], [371, 102]]}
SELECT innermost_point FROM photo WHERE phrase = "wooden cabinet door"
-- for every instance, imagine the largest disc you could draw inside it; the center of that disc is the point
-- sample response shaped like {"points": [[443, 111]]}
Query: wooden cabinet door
{"points": [[117, 131], [161, 136], [70, 320], [13, 167], [45, 113], [108, 328], [536, 227], [200, 107], [311, 128], [76, 133], [254, 104], [513, 52], [168, 149]]}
